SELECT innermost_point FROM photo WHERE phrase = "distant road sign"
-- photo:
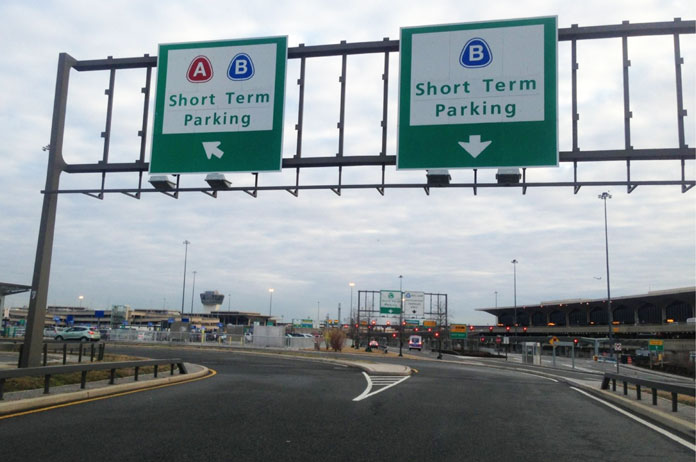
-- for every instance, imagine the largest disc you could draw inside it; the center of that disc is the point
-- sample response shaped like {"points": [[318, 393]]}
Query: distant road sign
{"points": [[390, 302], [219, 106], [617, 347], [414, 304], [553, 340], [479, 95]]}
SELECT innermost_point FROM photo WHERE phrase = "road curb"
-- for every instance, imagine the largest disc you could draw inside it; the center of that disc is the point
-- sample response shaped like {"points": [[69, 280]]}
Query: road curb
{"points": [[370, 368], [29, 404], [675, 424]]}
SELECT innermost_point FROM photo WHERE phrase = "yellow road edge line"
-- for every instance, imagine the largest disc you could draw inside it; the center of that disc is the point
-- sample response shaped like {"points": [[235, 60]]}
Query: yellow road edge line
{"points": [[213, 372]]}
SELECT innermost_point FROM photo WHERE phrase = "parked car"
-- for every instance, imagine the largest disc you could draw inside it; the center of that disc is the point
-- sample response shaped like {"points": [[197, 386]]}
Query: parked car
{"points": [[83, 334], [51, 332]]}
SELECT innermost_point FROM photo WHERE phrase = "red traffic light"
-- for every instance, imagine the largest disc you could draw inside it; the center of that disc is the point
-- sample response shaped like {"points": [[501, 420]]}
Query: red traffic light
{"points": [[483, 339], [524, 329], [507, 328], [490, 328], [430, 329], [394, 335], [575, 341], [374, 322], [403, 323], [416, 329], [356, 326], [437, 334]]}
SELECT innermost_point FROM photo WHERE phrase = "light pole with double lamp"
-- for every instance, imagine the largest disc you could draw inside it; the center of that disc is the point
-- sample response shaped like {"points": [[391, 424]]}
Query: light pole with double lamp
{"points": [[604, 196]]}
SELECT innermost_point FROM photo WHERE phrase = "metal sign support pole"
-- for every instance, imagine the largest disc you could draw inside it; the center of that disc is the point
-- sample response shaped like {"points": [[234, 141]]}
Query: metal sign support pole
{"points": [[33, 340]]}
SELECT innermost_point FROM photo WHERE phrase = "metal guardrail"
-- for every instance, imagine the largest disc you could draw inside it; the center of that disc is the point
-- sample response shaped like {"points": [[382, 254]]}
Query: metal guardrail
{"points": [[50, 371], [100, 348], [672, 388]]}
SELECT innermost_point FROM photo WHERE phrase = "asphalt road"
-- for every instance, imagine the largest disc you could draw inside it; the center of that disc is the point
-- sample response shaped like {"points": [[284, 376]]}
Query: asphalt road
{"points": [[274, 408]]}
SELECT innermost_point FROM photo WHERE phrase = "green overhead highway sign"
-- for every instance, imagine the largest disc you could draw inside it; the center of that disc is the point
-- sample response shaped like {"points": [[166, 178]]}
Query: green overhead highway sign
{"points": [[219, 106], [479, 95], [390, 302]]}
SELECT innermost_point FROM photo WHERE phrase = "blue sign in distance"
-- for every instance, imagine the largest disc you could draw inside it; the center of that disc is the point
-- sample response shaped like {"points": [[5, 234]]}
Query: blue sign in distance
{"points": [[184, 319], [476, 53], [149, 324], [56, 318], [99, 314], [241, 67], [171, 320]]}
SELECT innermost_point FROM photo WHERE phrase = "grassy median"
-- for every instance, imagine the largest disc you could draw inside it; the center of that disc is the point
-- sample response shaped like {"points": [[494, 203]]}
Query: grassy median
{"points": [[37, 382]]}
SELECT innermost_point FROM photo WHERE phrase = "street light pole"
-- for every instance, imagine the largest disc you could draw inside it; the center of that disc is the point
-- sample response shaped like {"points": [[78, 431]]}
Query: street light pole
{"points": [[514, 272], [193, 290], [604, 196], [183, 290], [401, 315], [81, 297], [496, 299], [270, 304], [352, 317]]}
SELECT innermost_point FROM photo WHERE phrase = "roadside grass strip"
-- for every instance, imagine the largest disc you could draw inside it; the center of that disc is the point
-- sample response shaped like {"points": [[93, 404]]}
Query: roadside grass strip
{"points": [[383, 381]]}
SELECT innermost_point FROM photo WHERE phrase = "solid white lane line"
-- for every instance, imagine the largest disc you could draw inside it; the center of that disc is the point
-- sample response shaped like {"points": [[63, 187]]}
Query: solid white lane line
{"points": [[669, 435], [522, 371], [368, 391]]}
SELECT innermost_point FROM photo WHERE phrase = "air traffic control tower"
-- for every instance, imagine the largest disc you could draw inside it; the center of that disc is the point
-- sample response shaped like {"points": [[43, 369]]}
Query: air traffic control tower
{"points": [[212, 300]]}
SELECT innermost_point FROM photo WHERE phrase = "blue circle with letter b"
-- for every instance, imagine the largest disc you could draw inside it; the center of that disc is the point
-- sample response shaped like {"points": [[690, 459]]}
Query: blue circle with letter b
{"points": [[476, 53], [241, 67]]}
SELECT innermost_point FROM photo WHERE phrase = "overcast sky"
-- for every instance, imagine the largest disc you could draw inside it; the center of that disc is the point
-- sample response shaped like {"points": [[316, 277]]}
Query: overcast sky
{"points": [[308, 249]]}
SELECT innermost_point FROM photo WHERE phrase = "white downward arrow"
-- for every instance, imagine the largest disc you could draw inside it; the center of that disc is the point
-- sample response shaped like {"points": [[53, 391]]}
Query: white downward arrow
{"points": [[475, 146], [211, 149]]}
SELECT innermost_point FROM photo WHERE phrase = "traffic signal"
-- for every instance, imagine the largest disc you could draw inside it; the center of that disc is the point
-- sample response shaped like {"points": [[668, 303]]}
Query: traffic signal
{"points": [[388, 323], [394, 335], [437, 335], [430, 329], [490, 328], [356, 326], [524, 329], [507, 328], [575, 341], [416, 329], [403, 323], [483, 339], [374, 322]]}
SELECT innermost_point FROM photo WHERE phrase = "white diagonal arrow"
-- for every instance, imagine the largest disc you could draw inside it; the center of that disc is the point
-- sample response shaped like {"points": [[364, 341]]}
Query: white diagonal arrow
{"points": [[474, 146], [211, 149]]}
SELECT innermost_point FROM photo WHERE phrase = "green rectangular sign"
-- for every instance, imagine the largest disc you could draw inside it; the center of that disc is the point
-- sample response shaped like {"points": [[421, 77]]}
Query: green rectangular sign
{"points": [[390, 302], [479, 95], [458, 335], [219, 106]]}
